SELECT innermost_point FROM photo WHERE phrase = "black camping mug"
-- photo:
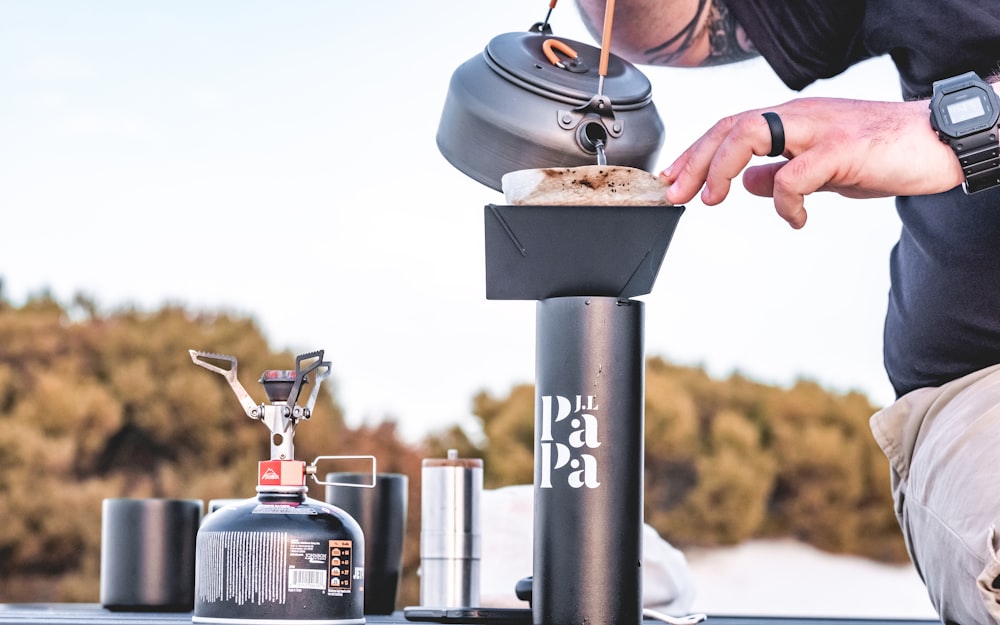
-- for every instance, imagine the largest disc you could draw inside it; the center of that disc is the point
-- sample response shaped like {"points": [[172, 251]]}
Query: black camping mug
{"points": [[381, 513], [147, 553]]}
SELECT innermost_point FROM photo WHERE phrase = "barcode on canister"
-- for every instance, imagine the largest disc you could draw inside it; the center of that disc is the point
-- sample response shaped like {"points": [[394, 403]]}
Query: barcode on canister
{"points": [[313, 579]]}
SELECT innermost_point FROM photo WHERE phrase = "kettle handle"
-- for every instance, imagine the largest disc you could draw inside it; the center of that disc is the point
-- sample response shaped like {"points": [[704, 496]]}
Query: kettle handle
{"points": [[562, 46]]}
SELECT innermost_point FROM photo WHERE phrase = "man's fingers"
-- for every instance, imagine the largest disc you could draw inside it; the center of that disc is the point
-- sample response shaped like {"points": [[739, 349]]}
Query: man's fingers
{"points": [[749, 136], [691, 171], [807, 173], [684, 184], [759, 179]]}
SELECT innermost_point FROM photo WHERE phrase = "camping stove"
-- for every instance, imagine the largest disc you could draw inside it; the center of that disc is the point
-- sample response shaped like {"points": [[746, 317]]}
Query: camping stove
{"points": [[280, 556], [583, 264]]}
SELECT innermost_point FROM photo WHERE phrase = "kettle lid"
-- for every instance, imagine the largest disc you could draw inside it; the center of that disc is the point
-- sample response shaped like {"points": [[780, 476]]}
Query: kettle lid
{"points": [[520, 58]]}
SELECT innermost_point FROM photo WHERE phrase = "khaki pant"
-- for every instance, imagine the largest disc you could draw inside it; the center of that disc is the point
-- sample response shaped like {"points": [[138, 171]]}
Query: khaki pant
{"points": [[943, 445]]}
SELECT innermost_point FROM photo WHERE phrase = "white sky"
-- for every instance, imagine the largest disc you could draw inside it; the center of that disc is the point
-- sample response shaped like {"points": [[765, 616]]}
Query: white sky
{"points": [[278, 159]]}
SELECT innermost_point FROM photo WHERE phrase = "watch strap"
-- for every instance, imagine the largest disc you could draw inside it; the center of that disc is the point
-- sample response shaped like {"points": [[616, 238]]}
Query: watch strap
{"points": [[979, 156]]}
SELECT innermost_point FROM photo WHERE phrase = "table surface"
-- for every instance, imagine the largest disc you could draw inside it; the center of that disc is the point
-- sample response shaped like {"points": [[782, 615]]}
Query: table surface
{"points": [[94, 614]]}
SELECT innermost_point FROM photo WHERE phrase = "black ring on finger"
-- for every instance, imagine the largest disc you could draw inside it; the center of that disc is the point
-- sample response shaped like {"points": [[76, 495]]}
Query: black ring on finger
{"points": [[777, 133]]}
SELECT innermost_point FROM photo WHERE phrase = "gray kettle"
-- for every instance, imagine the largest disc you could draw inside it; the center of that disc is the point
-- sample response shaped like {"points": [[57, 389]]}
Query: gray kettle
{"points": [[532, 100]]}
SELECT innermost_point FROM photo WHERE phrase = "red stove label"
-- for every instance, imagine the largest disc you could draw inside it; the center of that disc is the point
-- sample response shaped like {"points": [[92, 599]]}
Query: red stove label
{"points": [[569, 427], [281, 473]]}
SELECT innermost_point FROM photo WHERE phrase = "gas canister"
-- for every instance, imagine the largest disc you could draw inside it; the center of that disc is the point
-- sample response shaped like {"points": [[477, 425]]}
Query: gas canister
{"points": [[281, 555]]}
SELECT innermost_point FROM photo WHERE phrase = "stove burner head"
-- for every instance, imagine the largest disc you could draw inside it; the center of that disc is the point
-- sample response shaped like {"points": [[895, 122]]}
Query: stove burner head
{"points": [[278, 384]]}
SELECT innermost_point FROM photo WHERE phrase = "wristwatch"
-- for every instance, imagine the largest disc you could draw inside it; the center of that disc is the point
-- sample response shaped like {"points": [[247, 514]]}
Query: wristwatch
{"points": [[964, 113]]}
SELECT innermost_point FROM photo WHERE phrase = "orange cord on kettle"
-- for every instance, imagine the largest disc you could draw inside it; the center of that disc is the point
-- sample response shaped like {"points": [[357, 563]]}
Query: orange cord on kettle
{"points": [[609, 11], [562, 46]]}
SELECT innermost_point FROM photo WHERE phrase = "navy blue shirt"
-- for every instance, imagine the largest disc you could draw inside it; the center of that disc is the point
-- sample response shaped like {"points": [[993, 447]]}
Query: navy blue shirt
{"points": [[943, 317]]}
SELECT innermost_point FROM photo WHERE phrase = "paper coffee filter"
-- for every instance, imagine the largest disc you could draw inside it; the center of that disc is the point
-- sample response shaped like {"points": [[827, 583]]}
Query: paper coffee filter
{"points": [[587, 185]]}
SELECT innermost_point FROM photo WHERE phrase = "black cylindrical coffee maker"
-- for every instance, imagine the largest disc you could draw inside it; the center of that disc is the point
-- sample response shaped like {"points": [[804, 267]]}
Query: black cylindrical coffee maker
{"points": [[583, 265], [588, 461]]}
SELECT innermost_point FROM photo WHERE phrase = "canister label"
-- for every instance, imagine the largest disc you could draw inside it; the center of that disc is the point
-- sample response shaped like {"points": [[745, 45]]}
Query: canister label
{"points": [[342, 569], [242, 568], [263, 568], [282, 508], [307, 565], [320, 565]]}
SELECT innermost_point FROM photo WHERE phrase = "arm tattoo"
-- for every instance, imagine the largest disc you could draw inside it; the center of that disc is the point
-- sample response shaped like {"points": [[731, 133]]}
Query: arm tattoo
{"points": [[727, 40]]}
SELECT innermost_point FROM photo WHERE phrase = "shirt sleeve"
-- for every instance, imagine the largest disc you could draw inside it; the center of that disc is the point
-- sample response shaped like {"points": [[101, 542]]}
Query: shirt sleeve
{"points": [[804, 40]]}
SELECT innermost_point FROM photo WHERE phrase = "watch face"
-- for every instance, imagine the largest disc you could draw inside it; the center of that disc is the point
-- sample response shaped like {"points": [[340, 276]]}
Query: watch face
{"points": [[966, 111]]}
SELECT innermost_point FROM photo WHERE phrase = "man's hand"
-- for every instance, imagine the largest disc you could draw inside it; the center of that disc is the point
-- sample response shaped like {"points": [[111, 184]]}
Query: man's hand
{"points": [[859, 149]]}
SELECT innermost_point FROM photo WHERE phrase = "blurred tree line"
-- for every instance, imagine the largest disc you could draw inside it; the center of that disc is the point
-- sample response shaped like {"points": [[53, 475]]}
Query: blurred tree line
{"points": [[96, 405]]}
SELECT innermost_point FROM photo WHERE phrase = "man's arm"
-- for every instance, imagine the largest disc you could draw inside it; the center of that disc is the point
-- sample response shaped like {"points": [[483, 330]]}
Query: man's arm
{"points": [[684, 33]]}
